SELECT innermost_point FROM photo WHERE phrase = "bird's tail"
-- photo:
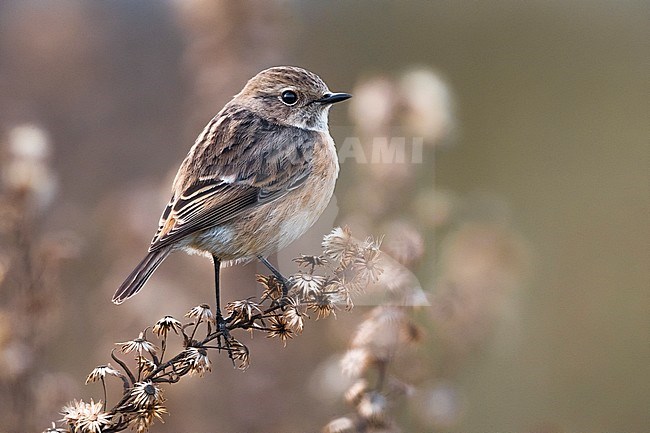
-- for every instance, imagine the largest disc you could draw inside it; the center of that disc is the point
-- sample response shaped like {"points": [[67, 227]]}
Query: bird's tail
{"points": [[140, 275]]}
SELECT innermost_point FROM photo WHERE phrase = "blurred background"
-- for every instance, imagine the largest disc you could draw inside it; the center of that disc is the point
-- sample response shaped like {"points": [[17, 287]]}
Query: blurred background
{"points": [[525, 220]]}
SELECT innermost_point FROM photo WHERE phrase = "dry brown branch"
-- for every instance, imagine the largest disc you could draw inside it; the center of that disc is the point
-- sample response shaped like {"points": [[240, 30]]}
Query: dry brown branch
{"points": [[324, 284]]}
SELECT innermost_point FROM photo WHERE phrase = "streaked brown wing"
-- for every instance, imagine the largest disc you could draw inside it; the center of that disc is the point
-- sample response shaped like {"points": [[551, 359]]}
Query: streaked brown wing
{"points": [[248, 161]]}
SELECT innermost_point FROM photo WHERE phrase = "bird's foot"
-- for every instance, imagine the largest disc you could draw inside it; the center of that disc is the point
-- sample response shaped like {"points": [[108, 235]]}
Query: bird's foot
{"points": [[222, 330]]}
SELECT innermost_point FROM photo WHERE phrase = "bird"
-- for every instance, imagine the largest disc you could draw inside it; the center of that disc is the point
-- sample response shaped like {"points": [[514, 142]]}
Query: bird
{"points": [[257, 177]]}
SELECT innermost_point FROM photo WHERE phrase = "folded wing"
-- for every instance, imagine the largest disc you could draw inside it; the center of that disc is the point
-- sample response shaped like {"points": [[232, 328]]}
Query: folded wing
{"points": [[242, 162]]}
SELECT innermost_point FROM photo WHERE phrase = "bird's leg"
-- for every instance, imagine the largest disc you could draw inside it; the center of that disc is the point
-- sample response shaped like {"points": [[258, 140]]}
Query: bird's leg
{"points": [[278, 275], [217, 269], [221, 322]]}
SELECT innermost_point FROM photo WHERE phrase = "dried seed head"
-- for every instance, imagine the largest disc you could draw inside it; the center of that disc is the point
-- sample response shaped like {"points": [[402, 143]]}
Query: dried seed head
{"points": [[307, 286], [310, 261], [279, 327], [405, 243], [196, 359], [145, 365], [356, 391], [202, 313], [355, 361], [367, 262], [72, 411], [339, 245], [384, 331], [139, 345], [372, 108], [145, 417], [145, 395], [166, 324], [340, 291], [86, 417], [372, 406], [27, 170], [239, 353], [323, 305], [243, 311], [293, 315], [273, 289], [100, 373], [427, 106], [354, 284]]}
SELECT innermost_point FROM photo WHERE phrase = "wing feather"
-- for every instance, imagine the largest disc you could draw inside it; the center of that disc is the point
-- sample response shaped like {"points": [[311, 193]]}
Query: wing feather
{"points": [[246, 162]]}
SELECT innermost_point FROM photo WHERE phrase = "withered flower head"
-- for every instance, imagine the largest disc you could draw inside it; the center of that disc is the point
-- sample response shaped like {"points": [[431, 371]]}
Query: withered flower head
{"points": [[201, 312], [272, 287], [373, 106], [100, 373], [341, 290], [145, 417], [339, 245], [139, 345], [293, 315], [312, 261], [280, 328], [145, 395], [323, 304], [367, 263], [384, 329], [239, 352], [86, 417], [372, 406], [427, 106], [72, 411], [356, 391], [145, 365], [166, 324], [243, 311], [307, 285], [196, 358], [355, 361], [354, 285], [406, 245]]}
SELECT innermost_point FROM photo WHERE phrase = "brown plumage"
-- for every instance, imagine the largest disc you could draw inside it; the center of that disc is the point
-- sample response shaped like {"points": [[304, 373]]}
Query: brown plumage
{"points": [[258, 176]]}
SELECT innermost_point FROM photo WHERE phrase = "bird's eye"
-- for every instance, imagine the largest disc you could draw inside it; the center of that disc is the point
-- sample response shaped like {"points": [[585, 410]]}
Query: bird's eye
{"points": [[289, 97]]}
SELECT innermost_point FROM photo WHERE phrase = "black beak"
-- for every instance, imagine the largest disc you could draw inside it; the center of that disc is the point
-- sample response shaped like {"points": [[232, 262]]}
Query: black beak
{"points": [[332, 98]]}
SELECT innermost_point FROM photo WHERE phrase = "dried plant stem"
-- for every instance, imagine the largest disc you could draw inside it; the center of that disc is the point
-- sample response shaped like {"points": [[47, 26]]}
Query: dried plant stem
{"points": [[276, 314]]}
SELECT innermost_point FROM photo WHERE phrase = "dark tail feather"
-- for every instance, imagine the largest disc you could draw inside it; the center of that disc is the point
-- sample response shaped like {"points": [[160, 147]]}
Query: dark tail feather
{"points": [[140, 275]]}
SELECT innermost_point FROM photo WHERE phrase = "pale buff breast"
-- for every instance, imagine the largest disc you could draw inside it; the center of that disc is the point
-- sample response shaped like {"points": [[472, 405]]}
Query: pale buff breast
{"points": [[272, 226]]}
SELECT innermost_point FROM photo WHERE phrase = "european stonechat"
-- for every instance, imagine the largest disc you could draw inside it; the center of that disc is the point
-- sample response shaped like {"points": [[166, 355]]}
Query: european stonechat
{"points": [[257, 177]]}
